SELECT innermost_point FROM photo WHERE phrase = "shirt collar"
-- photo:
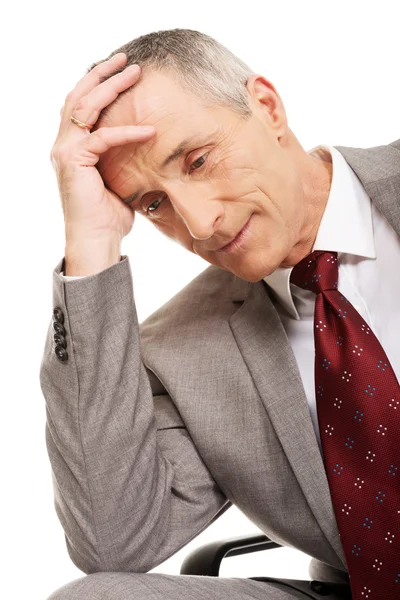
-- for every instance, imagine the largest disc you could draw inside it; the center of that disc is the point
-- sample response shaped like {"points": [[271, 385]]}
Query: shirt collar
{"points": [[346, 225]]}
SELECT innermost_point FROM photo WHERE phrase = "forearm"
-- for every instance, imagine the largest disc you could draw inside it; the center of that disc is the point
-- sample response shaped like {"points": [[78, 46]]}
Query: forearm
{"points": [[99, 415], [125, 498]]}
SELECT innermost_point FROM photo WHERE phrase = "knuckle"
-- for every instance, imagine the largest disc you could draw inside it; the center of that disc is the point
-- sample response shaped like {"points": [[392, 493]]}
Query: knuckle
{"points": [[53, 153], [58, 154], [81, 105]]}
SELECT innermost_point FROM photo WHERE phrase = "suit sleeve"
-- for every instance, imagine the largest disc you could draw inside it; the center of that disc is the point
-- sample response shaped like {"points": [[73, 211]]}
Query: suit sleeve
{"points": [[130, 488]]}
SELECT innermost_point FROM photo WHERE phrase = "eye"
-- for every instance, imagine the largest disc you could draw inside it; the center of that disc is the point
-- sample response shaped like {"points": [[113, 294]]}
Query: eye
{"points": [[199, 162], [196, 162], [151, 209]]}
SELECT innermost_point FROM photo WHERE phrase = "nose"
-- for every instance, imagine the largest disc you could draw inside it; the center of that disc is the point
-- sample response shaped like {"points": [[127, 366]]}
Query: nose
{"points": [[200, 211]]}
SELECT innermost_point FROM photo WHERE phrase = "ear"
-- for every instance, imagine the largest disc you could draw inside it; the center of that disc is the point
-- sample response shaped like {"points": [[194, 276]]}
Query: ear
{"points": [[266, 101]]}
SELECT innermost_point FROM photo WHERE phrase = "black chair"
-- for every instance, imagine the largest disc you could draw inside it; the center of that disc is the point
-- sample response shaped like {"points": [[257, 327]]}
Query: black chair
{"points": [[206, 560]]}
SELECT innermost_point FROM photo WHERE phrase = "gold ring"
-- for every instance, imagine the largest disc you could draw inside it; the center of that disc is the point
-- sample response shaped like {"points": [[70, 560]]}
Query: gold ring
{"points": [[80, 123]]}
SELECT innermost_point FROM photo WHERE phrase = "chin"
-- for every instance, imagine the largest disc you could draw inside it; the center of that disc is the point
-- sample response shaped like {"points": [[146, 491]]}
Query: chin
{"points": [[250, 273], [254, 269]]}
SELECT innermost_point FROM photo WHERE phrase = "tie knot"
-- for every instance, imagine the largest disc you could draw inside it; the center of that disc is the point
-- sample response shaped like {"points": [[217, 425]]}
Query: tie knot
{"points": [[317, 272]]}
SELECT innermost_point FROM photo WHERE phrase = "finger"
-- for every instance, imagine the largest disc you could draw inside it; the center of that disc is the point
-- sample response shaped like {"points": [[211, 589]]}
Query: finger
{"points": [[107, 137], [89, 107], [90, 81]]}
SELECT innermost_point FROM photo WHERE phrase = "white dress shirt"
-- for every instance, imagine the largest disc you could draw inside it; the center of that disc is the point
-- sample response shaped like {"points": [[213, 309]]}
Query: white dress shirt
{"points": [[369, 265]]}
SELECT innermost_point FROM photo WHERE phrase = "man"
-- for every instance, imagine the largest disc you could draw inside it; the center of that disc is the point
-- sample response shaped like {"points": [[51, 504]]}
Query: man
{"points": [[154, 431]]}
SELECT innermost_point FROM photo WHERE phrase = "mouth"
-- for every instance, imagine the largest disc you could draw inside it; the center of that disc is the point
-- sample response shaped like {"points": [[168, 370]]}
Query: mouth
{"points": [[237, 242]]}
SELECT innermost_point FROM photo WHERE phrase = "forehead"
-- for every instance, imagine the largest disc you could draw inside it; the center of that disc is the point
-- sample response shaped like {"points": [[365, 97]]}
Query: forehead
{"points": [[154, 99], [157, 99]]}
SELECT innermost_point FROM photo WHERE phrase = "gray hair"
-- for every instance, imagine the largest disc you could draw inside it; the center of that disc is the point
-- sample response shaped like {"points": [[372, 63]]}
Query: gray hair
{"points": [[200, 64]]}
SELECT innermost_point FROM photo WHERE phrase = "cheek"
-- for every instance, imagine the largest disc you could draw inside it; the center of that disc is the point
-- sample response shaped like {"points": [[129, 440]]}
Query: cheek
{"points": [[234, 164], [280, 184], [244, 173], [235, 180]]}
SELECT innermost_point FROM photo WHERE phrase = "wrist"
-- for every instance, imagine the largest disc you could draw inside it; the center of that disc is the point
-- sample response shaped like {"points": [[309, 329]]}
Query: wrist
{"points": [[90, 256]]}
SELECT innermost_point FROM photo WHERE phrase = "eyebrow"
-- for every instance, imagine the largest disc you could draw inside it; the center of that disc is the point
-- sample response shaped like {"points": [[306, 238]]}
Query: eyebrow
{"points": [[177, 153]]}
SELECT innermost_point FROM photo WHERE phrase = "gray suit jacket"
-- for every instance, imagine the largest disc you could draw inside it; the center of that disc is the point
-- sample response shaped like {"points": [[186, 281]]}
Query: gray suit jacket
{"points": [[153, 431]]}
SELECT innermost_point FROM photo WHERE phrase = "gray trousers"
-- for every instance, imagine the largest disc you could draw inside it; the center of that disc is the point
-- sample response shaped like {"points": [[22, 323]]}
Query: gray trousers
{"points": [[160, 586]]}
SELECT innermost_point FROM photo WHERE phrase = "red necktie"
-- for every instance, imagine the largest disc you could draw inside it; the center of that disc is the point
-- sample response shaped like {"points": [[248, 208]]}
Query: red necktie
{"points": [[358, 407]]}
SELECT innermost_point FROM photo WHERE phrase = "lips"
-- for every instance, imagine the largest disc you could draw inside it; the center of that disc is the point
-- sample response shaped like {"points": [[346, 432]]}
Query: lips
{"points": [[235, 238]]}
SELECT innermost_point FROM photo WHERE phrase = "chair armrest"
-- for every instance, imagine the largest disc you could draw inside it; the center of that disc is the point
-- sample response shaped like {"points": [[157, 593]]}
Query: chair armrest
{"points": [[206, 560]]}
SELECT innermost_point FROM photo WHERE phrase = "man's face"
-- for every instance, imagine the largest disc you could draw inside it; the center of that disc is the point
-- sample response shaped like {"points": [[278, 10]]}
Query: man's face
{"points": [[233, 172]]}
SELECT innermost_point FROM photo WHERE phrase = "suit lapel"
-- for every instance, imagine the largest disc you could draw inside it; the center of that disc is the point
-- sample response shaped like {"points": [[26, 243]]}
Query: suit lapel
{"points": [[263, 342]]}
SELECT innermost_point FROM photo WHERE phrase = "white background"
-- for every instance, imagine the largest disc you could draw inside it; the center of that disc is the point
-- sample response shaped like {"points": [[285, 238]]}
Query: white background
{"points": [[336, 67]]}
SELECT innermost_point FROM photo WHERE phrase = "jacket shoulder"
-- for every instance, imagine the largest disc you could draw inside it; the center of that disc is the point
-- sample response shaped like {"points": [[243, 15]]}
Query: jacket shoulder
{"points": [[209, 293], [374, 164], [204, 303]]}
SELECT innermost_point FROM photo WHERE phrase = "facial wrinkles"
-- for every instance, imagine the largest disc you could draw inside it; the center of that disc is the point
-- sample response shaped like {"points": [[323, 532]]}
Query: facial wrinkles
{"points": [[134, 164]]}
